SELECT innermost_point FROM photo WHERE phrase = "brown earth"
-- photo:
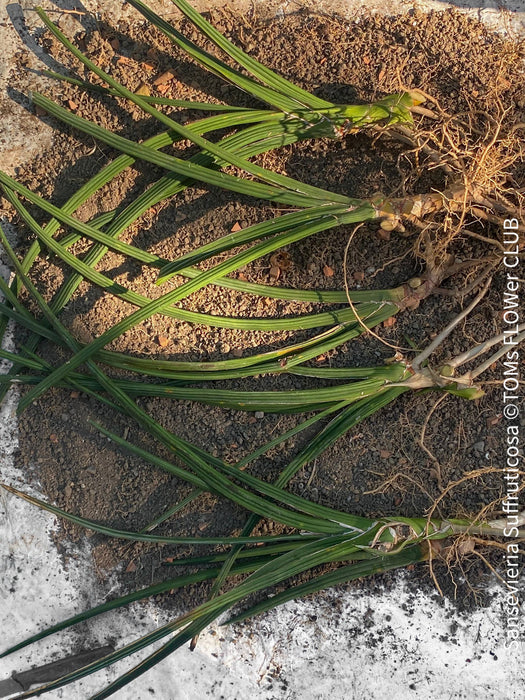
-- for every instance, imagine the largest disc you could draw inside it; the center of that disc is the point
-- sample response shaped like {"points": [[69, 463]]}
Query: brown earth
{"points": [[377, 469]]}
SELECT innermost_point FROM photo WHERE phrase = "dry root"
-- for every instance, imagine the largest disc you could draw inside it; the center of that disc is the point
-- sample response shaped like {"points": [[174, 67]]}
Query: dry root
{"points": [[476, 152]]}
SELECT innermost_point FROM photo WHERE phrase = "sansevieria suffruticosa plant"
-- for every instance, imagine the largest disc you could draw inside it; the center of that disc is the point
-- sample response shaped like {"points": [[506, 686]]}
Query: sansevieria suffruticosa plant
{"points": [[316, 534]]}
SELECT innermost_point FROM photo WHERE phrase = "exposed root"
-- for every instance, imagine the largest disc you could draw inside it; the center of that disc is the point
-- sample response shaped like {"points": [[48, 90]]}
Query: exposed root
{"points": [[475, 151]]}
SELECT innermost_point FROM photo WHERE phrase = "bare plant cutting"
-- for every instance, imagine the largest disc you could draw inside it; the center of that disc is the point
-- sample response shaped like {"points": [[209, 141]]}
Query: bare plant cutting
{"points": [[479, 188]]}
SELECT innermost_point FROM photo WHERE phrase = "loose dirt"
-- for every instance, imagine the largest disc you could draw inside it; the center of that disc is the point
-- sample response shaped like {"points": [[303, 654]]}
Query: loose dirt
{"points": [[380, 468]]}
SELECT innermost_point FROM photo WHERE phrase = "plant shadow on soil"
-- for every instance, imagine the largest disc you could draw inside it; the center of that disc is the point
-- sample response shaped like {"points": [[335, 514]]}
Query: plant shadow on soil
{"points": [[379, 468]]}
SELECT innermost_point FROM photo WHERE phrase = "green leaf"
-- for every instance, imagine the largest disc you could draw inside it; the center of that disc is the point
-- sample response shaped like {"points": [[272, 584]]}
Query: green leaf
{"points": [[227, 156], [282, 100], [141, 536], [370, 566]]}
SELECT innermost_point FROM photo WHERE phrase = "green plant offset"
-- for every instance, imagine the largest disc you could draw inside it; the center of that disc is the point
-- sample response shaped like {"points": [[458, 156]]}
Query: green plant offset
{"points": [[316, 534]]}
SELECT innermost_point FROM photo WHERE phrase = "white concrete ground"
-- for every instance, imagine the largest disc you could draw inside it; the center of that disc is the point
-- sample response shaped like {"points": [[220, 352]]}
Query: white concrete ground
{"points": [[393, 645]]}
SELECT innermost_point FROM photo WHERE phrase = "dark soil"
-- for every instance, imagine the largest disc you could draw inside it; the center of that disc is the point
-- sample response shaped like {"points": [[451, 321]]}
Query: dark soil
{"points": [[377, 469]]}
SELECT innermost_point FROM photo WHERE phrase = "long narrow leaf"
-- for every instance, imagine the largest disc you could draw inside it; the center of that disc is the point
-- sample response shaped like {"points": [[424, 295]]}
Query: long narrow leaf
{"points": [[227, 156], [181, 167], [146, 537], [372, 565], [171, 297]]}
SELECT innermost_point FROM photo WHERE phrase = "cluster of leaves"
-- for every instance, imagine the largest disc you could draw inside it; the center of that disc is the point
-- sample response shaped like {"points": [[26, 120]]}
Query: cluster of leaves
{"points": [[319, 535]]}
